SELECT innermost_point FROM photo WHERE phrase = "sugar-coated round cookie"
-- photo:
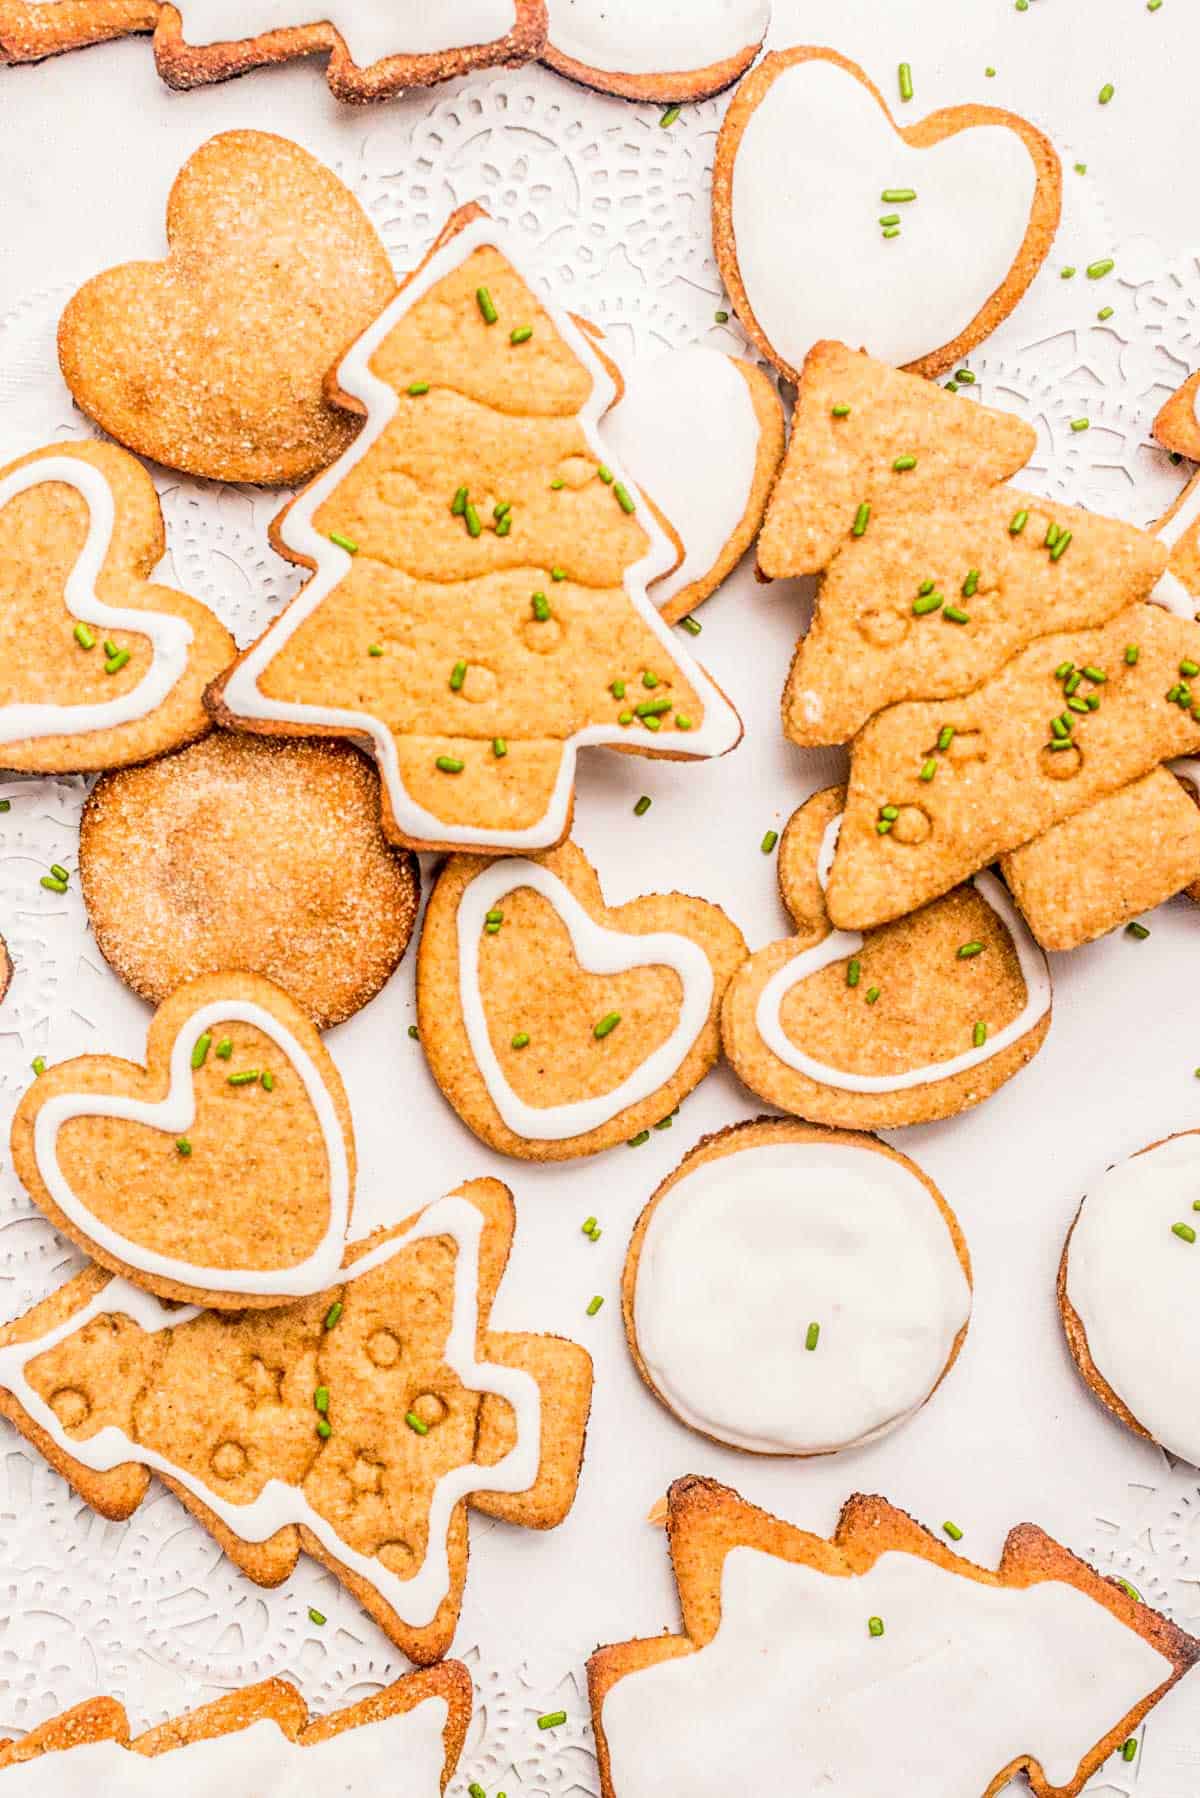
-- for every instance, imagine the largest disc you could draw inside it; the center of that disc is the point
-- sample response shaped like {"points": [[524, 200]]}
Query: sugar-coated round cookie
{"points": [[1129, 1292], [791, 1290], [258, 853]]}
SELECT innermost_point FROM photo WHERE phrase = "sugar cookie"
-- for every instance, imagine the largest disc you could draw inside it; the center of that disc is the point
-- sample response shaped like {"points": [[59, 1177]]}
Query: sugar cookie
{"points": [[31, 29], [250, 852], [831, 1261], [1177, 426], [555, 1025], [672, 50]]}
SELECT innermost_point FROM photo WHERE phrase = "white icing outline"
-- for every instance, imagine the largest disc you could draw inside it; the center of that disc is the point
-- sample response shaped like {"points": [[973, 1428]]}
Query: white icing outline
{"points": [[598, 950], [840, 944], [1187, 768], [414, 1600], [290, 15], [1170, 592], [717, 731], [169, 637], [708, 42], [175, 1115]]}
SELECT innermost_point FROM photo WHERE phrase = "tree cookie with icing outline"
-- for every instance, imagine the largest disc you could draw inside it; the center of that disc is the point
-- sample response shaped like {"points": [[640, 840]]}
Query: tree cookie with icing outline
{"points": [[920, 1020], [260, 1736], [632, 49], [260, 853], [830, 220], [221, 1173], [357, 1425], [102, 666], [832, 1262], [809, 1654], [1132, 1337], [555, 1025], [214, 360], [478, 606], [32, 29]]}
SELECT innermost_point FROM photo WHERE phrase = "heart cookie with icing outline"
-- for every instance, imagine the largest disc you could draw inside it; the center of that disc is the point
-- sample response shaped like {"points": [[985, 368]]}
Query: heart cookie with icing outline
{"points": [[555, 1025], [832, 221], [221, 1173]]}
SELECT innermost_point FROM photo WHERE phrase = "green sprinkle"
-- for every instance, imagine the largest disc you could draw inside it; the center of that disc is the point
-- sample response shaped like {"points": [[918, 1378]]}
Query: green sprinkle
{"points": [[669, 117], [971, 585], [989, 72], [853, 971], [605, 474], [635, 1142], [474, 523], [964, 377], [38, 1064], [183, 1147], [1067, 272], [953, 1531], [1060, 727], [110, 648], [928, 769], [649, 679], [1017, 523], [1081, 424], [722, 317], [1063, 670], [1189, 668], [875, 1625], [591, 1311], [414, 1033], [945, 737], [333, 1314], [224, 1048], [624, 717], [417, 388], [522, 334], [979, 1035], [624, 498], [1104, 313], [346, 543], [502, 510], [458, 504], [268, 1081], [843, 411], [643, 806], [906, 81], [200, 1049], [417, 1424], [499, 747], [374, 649], [769, 841], [324, 1429], [475, 1790], [1081, 168], [521, 1040], [812, 1336], [1131, 655], [487, 305], [1106, 93], [458, 675], [968, 951], [892, 231], [558, 574], [449, 764], [557, 486], [246, 1077], [541, 607], [1061, 547], [84, 637], [1097, 270], [116, 662], [588, 1225], [956, 615], [607, 1025], [884, 826], [691, 625], [321, 1399], [890, 812], [315, 1616], [1184, 1232], [1129, 1747], [1153, 5], [5, 805], [1051, 537], [925, 603], [652, 708], [504, 525], [1130, 1590], [902, 464], [872, 994], [862, 519], [1096, 675], [898, 196], [1138, 931], [1073, 681], [59, 872], [925, 587], [53, 884], [552, 1719]]}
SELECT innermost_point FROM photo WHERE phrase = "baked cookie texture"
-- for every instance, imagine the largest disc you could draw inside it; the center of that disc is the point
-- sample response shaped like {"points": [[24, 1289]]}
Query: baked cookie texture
{"points": [[478, 604], [213, 360], [556, 1025], [665, 53], [32, 29], [815, 226], [238, 1159], [955, 994], [1177, 425], [102, 666], [259, 853], [797, 1663], [357, 1425], [405, 1721]]}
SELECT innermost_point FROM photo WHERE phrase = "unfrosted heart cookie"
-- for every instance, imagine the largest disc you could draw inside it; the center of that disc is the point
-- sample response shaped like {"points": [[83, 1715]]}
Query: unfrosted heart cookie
{"points": [[834, 1265], [31, 29], [555, 1025], [222, 1173], [665, 50], [829, 220], [213, 361], [672, 412], [100, 667], [916, 1021]]}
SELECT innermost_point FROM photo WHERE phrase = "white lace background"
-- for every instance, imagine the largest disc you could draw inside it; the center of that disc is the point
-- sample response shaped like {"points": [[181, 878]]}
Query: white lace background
{"points": [[614, 210]]}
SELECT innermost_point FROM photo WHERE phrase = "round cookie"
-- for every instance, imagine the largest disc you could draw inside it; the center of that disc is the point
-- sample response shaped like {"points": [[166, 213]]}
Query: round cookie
{"points": [[1129, 1292], [256, 852], [830, 1263]]}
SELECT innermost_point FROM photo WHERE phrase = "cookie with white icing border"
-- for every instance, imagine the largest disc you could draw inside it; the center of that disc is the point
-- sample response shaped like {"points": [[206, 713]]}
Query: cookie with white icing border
{"points": [[833, 1263], [1132, 1335], [32, 29], [673, 50], [213, 361], [674, 410], [822, 1655], [830, 220], [221, 1173], [261, 853], [478, 606], [102, 666], [262, 1736], [356, 1426], [1177, 426], [1178, 587], [558, 1026], [901, 1027]]}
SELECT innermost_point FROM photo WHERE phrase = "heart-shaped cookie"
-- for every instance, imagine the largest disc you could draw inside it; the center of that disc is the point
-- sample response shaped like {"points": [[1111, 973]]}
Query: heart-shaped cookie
{"points": [[213, 361], [556, 1026], [222, 1172], [917, 1021], [670, 50], [831, 221]]}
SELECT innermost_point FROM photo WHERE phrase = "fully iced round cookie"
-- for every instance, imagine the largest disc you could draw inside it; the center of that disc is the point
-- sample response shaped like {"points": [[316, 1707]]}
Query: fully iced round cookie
{"points": [[795, 1291], [1129, 1292], [250, 852]]}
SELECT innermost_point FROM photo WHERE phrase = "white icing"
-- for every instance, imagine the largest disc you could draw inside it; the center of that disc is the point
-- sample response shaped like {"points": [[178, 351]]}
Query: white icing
{"points": [[839, 945], [1170, 590], [415, 1600], [1188, 768], [175, 1115], [169, 637], [752, 1247], [794, 1693], [717, 730], [687, 427], [370, 29], [404, 1754], [656, 37], [598, 951], [815, 157], [1136, 1287]]}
